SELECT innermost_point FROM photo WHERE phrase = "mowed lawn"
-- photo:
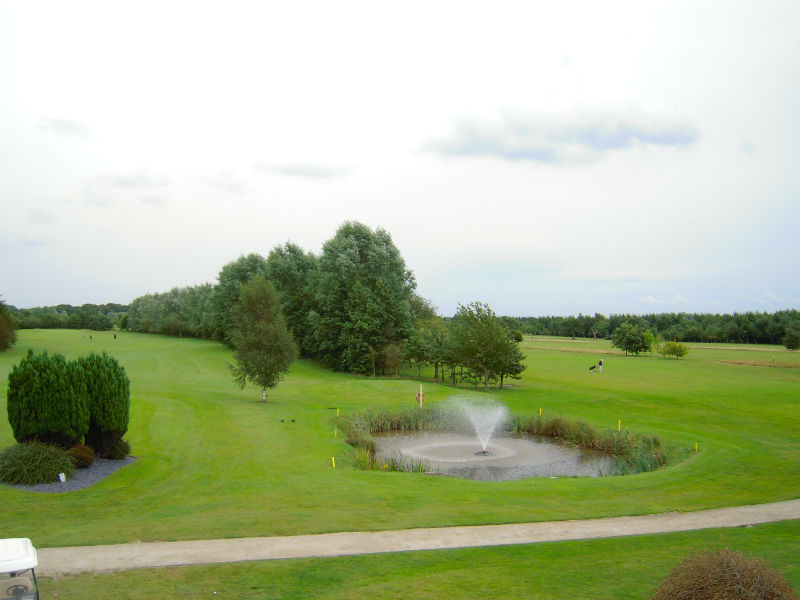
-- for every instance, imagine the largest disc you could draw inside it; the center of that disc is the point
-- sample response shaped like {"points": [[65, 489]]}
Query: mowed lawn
{"points": [[214, 462]]}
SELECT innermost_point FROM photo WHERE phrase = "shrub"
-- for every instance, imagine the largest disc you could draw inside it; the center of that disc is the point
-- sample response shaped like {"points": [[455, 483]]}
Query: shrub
{"points": [[724, 574], [675, 349], [109, 401], [792, 339], [47, 400], [119, 450], [33, 462], [81, 456]]}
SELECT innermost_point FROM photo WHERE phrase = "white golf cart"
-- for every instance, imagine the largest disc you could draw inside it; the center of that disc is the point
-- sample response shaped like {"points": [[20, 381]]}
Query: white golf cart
{"points": [[17, 563]]}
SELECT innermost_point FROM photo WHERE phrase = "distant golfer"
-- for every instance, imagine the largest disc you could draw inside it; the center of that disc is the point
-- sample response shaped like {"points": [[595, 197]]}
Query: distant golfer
{"points": [[600, 366]]}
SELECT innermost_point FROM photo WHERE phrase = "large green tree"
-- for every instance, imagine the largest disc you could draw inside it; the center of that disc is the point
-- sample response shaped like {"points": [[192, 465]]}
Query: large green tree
{"points": [[631, 338], [293, 272], [226, 291], [8, 328], [480, 342], [363, 300], [263, 346]]}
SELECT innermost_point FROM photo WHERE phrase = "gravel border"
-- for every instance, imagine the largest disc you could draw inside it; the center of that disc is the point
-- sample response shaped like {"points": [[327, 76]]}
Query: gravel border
{"points": [[83, 478]]}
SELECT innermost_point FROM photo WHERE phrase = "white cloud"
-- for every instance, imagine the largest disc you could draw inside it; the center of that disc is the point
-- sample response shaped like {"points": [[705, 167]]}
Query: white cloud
{"points": [[66, 128], [561, 139], [304, 170]]}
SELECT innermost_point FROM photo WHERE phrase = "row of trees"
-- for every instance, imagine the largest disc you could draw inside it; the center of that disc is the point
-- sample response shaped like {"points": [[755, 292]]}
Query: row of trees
{"points": [[353, 307], [748, 327], [99, 317], [61, 402]]}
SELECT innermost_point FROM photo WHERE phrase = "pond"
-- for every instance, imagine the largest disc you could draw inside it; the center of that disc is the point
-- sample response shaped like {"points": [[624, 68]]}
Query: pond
{"points": [[506, 458]]}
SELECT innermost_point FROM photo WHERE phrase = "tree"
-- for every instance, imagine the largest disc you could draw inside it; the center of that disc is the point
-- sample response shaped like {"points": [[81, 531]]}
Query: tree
{"points": [[792, 339], [630, 338], [109, 401], [293, 272], [47, 400], [263, 345], [482, 344], [363, 299], [676, 349], [8, 328], [226, 291]]}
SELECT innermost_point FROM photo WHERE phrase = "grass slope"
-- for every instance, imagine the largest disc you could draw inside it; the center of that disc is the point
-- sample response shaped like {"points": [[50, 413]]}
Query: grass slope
{"points": [[214, 462]]}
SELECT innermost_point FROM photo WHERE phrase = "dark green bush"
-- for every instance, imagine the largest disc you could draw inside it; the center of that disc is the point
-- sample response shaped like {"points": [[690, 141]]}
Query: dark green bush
{"points": [[33, 462], [109, 401], [81, 456], [47, 400], [727, 575], [120, 450]]}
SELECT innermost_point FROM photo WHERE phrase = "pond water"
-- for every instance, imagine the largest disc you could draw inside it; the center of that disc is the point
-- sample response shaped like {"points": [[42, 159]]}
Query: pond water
{"points": [[506, 458]]}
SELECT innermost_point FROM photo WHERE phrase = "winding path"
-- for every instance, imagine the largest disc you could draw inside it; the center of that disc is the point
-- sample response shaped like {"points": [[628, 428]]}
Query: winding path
{"points": [[59, 561]]}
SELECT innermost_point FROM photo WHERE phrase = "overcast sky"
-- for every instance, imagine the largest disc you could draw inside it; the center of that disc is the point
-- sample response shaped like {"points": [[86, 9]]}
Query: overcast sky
{"points": [[544, 157]]}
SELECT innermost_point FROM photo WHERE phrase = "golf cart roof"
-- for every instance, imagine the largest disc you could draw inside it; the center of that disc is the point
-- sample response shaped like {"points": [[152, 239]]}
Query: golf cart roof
{"points": [[17, 554]]}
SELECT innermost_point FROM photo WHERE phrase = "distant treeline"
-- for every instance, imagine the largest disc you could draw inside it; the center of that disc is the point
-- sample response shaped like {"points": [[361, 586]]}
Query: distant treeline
{"points": [[739, 328], [99, 317]]}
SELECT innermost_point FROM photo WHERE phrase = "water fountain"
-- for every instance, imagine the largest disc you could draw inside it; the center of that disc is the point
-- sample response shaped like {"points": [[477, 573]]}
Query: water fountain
{"points": [[487, 453], [485, 417]]}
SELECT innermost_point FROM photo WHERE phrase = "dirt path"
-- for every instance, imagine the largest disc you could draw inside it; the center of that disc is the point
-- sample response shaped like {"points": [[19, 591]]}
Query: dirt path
{"points": [[60, 561]]}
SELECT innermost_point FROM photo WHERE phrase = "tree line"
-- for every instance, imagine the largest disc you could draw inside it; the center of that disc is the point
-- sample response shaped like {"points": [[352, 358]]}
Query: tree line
{"points": [[738, 328], [354, 308], [99, 317]]}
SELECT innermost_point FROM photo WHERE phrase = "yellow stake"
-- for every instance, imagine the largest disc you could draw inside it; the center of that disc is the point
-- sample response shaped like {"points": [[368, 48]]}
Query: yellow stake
{"points": [[335, 432], [619, 425], [337, 412], [695, 446], [540, 411], [333, 462]]}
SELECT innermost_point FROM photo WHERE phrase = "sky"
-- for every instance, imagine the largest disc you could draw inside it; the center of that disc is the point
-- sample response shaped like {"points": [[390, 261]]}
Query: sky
{"points": [[547, 158]]}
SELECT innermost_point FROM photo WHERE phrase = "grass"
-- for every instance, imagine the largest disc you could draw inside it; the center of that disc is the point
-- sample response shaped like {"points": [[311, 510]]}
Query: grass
{"points": [[215, 462], [618, 569]]}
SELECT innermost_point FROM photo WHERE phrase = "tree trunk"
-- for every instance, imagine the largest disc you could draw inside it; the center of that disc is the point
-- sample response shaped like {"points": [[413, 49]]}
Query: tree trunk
{"points": [[436, 371], [264, 395], [486, 379], [501, 381]]}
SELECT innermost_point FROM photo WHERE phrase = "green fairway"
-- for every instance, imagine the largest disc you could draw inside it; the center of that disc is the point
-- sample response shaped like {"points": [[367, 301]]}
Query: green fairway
{"points": [[215, 462], [613, 569]]}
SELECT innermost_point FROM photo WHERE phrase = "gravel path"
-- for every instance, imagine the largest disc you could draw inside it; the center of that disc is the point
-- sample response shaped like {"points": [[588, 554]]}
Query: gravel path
{"points": [[83, 478], [139, 555]]}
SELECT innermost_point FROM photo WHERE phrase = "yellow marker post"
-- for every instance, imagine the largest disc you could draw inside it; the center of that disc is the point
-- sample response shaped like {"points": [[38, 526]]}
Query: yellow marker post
{"points": [[335, 432], [695, 446], [619, 425], [333, 462], [337, 412], [540, 411]]}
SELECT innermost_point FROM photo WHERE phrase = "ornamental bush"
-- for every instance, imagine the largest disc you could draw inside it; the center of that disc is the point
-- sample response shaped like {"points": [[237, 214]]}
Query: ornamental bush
{"points": [[109, 401], [81, 456], [724, 574], [30, 463], [121, 449], [47, 400]]}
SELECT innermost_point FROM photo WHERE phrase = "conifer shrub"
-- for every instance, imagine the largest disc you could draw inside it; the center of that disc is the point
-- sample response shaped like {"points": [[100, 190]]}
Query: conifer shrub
{"points": [[121, 449], [33, 462], [109, 401], [724, 574], [47, 400], [82, 456]]}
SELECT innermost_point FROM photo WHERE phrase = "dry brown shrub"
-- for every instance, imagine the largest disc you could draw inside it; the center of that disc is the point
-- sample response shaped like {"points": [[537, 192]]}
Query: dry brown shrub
{"points": [[724, 575]]}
